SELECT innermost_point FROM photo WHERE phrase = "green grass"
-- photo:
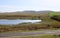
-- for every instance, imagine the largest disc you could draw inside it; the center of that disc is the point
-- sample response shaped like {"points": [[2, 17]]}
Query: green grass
{"points": [[53, 13], [41, 36]]}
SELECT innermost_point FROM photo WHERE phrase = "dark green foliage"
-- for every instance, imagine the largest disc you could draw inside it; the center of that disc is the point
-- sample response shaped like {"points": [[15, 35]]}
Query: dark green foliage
{"points": [[56, 17]]}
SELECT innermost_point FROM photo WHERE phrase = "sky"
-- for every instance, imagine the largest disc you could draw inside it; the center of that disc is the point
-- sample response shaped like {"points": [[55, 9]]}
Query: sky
{"points": [[21, 5]]}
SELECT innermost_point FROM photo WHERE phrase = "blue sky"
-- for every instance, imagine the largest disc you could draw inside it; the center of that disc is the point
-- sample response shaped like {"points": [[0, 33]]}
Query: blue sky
{"points": [[20, 5]]}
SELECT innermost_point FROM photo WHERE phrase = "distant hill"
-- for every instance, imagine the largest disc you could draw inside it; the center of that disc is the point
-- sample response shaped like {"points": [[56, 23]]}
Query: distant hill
{"points": [[27, 13]]}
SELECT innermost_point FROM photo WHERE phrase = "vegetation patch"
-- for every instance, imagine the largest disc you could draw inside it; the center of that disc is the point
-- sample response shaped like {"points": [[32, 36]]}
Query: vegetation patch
{"points": [[41, 36]]}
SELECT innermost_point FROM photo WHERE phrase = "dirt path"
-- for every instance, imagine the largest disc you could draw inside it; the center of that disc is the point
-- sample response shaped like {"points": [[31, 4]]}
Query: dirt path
{"points": [[2, 35]]}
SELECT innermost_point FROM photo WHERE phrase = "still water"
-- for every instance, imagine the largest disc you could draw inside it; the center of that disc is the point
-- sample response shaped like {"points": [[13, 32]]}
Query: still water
{"points": [[16, 21]]}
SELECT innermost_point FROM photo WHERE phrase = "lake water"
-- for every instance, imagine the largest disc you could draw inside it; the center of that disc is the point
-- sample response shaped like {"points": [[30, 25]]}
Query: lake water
{"points": [[16, 21]]}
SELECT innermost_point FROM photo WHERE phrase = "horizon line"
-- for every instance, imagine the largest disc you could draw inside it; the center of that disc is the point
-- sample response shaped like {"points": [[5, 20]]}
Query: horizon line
{"points": [[30, 10]]}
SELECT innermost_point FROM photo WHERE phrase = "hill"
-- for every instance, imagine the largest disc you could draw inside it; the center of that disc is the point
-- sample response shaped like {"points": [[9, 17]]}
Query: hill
{"points": [[25, 13]]}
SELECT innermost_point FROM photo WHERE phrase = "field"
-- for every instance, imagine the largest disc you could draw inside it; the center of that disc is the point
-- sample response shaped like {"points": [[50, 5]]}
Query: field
{"points": [[41, 36], [53, 13], [47, 23]]}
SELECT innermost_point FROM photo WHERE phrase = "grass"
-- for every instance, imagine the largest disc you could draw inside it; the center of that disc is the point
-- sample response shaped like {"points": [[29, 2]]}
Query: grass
{"points": [[29, 30], [46, 20], [38, 36], [31, 27], [53, 13]]}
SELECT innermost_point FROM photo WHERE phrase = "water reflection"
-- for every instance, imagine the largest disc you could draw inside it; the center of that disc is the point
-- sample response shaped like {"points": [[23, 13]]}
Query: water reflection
{"points": [[16, 21]]}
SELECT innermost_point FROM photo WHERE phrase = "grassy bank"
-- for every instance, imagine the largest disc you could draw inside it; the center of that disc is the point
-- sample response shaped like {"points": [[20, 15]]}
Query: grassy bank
{"points": [[41, 36], [28, 27]]}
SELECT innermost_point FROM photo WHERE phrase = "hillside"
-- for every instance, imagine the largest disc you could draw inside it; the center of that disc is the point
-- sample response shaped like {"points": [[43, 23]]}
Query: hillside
{"points": [[26, 12]]}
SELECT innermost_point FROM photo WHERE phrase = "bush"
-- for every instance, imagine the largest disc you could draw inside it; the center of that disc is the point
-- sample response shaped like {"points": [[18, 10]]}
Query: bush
{"points": [[56, 17]]}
